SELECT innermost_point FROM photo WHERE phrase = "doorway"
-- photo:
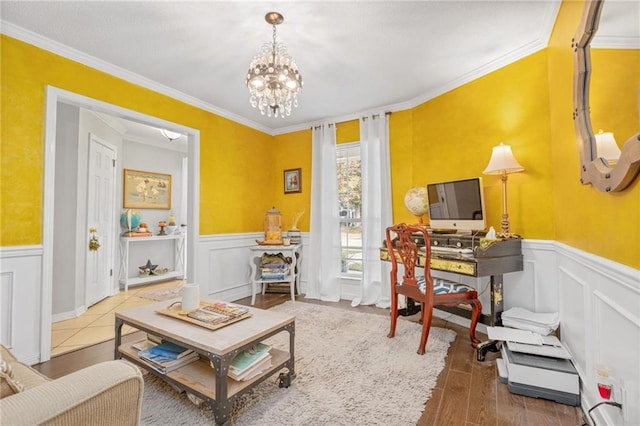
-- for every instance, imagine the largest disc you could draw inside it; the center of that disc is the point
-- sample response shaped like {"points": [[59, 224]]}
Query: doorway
{"points": [[57, 99]]}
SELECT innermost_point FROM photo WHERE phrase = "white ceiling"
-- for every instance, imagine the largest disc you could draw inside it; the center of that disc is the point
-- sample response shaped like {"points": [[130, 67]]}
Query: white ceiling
{"points": [[354, 56]]}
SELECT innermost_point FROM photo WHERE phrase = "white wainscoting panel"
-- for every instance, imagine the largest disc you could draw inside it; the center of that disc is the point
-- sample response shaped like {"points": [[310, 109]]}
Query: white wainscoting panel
{"points": [[600, 321], [223, 262], [535, 288], [21, 280], [7, 306], [598, 301]]}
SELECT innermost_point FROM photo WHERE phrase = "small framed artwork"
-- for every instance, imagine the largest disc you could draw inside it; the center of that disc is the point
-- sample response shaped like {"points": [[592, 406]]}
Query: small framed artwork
{"points": [[146, 190], [292, 181]]}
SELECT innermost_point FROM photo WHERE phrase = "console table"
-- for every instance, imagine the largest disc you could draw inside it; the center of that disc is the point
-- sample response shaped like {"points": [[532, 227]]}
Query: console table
{"points": [[178, 258], [293, 252], [492, 261]]}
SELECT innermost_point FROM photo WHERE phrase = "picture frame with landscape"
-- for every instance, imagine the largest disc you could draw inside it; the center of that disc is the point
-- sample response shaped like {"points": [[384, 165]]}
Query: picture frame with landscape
{"points": [[146, 190], [292, 181]]}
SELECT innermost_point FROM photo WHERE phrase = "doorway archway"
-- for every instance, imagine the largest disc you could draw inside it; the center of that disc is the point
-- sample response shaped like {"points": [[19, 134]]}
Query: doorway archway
{"points": [[56, 96]]}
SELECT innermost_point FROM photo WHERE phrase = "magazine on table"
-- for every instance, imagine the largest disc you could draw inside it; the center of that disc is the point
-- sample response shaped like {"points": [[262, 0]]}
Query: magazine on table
{"points": [[170, 350], [255, 370], [218, 312], [165, 364], [249, 357]]}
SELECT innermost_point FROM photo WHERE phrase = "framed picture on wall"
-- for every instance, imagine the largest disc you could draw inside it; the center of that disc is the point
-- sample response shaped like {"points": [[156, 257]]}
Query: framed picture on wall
{"points": [[292, 181], [146, 190]]}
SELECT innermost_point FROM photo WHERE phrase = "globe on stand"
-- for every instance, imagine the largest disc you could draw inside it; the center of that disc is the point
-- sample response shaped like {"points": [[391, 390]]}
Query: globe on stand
{"points": [[417, 202], [130, 220]]}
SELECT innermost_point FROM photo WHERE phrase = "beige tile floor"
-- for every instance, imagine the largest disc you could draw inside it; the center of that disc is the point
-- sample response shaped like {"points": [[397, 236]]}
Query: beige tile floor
{"points": [[97, 324]]}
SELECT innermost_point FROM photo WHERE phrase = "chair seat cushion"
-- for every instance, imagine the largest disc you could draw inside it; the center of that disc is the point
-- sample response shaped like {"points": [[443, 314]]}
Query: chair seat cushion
{"points": [[441, 286]]}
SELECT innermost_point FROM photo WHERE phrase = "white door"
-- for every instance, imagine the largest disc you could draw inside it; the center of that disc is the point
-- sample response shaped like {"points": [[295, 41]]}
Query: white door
{"points": [[101, 187]]}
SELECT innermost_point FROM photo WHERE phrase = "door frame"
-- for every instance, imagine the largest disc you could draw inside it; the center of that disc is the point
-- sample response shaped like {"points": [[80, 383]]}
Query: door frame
{"points": [[55, 95]]}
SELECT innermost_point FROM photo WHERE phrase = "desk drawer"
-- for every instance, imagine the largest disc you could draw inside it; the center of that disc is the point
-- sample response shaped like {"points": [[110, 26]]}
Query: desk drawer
{"points": [[459, 267]]}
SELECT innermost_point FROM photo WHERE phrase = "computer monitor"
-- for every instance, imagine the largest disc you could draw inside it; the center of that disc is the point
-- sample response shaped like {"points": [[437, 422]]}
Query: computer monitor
{"points": [[457, 205]]}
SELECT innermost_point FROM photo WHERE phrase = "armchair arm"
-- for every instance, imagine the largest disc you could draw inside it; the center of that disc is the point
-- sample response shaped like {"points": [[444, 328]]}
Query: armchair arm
{"points": [[109, 393]]}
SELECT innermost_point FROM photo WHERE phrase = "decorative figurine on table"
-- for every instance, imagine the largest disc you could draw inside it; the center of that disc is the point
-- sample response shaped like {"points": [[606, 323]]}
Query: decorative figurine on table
{"points": [[295, 237], [171, 225], [162, 224], [147, 269]]}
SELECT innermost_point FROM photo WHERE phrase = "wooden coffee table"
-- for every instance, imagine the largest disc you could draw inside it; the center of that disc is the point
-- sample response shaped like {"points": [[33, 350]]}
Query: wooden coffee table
{"points": [[217, 348]]}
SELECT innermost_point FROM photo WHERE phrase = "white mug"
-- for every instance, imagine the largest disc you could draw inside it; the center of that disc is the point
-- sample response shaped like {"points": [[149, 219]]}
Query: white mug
{"points": [[190, 297]]}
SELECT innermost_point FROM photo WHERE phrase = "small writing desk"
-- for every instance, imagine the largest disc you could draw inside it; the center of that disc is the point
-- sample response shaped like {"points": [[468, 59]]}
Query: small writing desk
{"points": [[492, 261]]}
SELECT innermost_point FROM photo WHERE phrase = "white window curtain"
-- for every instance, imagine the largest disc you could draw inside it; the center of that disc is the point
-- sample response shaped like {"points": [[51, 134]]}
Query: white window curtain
{"points": [[376, 209], [324, 239]]}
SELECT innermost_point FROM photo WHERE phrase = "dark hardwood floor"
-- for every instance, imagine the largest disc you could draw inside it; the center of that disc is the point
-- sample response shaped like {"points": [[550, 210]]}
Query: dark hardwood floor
{"points": [[468, 392]]}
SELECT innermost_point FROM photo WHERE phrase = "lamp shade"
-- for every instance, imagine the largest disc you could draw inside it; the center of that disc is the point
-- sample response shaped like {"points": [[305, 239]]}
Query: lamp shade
{"points": [[502, 160], [607, 147]]}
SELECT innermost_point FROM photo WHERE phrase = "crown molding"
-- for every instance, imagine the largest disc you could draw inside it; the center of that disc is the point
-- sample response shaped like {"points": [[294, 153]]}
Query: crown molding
{"points": [[540, 43], [52, 46], [501, 62]]}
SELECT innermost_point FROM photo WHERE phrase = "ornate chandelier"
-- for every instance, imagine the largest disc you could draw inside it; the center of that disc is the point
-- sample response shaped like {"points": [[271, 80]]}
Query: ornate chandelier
{"points": [[273, 79]]}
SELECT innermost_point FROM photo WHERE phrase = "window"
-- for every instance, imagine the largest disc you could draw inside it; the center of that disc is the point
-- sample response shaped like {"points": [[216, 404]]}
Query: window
{"points": [[350, 201]]}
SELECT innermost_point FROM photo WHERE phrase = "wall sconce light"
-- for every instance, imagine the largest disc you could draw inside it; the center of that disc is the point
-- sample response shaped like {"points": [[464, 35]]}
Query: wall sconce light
{"points": [[607, 147], [170, 135], [501, 163]]}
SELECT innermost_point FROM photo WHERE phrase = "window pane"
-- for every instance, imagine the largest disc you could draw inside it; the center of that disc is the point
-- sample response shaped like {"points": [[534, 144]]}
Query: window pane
{"points": [[350, 200]]}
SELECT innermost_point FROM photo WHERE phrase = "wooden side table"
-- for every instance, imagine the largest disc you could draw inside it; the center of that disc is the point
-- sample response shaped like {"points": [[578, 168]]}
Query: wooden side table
{"points": [[294, 252]]}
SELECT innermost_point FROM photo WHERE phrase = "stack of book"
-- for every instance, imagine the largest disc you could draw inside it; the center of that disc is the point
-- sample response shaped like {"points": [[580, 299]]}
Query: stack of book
{"points": [[274, 271], [251, 362], [166, 356]]}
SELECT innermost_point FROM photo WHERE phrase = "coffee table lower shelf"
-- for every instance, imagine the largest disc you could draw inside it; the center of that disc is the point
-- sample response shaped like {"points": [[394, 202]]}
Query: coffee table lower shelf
{"points": [[199, 377], [207, 377]]}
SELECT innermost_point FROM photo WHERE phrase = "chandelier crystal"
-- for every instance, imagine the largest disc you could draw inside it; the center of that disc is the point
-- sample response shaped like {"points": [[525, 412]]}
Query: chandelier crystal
{"points": [[273, 79]]}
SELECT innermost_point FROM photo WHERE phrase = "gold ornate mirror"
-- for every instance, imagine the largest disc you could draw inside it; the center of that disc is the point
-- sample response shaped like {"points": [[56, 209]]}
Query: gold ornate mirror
{"points": [[604, 175]]}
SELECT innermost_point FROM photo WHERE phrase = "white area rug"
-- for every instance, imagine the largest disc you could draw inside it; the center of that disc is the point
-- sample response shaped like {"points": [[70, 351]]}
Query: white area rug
{"points": [[348, 373]]}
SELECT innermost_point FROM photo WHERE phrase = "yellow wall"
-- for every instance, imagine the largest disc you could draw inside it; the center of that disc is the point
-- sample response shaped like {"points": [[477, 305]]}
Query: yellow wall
{"points": [[526, 104], [293, 151], [233, 160], [348, 131], [401, 161], [453, 136], [603, 224]]}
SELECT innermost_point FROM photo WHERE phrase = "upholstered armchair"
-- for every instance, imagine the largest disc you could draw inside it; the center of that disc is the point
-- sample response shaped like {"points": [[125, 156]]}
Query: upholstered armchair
{"points": [[108, 393]]}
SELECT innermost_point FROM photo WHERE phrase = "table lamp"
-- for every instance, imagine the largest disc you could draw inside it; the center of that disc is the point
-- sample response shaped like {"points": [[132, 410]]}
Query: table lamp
{"points": [[501, 163]]}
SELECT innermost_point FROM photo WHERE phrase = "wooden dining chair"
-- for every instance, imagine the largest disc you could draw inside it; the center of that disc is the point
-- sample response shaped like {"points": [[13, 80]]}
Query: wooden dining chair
{"points": [[402, 243]]}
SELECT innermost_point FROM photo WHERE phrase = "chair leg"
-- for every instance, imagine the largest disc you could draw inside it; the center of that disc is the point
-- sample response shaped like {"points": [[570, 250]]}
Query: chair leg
{"points": [[394, 314], [427, 315], [476, 307]]}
